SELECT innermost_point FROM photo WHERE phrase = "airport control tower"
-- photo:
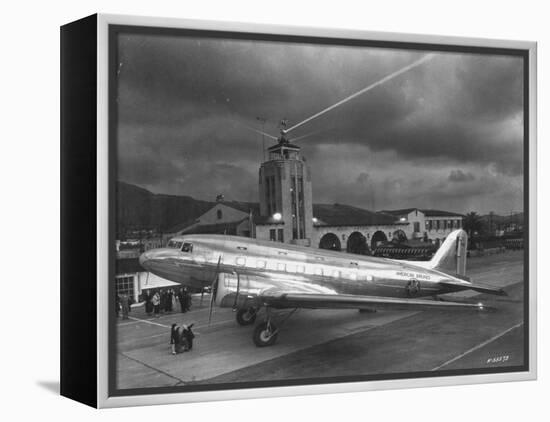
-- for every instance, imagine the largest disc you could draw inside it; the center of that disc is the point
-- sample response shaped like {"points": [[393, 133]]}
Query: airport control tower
{"points": [[285, 191]]}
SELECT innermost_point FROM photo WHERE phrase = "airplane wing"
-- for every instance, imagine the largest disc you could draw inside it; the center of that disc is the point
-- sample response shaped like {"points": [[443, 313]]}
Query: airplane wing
{"points": [[334, 301], [481, 288]]}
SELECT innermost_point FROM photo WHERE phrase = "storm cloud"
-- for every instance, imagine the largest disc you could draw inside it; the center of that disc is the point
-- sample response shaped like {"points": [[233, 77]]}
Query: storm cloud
{"points": [[447, 134]]}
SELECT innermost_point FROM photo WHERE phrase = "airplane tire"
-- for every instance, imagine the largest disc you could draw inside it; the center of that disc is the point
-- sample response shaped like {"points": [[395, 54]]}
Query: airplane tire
{"points": [[246, 316], [262, 337]]}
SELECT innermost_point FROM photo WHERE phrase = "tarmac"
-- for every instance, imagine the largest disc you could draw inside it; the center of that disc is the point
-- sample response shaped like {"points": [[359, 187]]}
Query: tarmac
{"points": [[332, 343]]}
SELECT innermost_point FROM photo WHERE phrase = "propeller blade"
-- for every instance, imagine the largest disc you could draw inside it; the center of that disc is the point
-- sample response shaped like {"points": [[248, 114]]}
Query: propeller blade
{"points": [[237, 293], [213, 289]]}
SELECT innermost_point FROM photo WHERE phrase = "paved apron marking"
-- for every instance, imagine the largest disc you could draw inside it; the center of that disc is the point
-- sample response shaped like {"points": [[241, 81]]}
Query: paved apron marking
{"points": [[137, 321], [179, 381], [148, 322], [479, 346], [165, 315]]}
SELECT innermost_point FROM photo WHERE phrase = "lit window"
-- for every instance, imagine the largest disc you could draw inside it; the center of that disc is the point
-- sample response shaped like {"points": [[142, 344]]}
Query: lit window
{"points": [[318, 271], [281, 266], [241, 260], [291, 268], [353, 276], [336, 273], [261, 263], [300, 269]]}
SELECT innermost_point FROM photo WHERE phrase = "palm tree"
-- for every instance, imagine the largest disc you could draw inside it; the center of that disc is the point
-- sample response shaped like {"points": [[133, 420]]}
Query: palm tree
{"points": [[473, 223]]}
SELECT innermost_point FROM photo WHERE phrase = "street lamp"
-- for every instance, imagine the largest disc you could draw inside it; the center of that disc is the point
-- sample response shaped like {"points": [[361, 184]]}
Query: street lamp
{"points": [[277, 216]]}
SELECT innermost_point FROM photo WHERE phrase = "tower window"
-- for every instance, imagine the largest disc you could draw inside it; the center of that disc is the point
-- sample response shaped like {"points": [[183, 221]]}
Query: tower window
{"points": [[220, 214]]}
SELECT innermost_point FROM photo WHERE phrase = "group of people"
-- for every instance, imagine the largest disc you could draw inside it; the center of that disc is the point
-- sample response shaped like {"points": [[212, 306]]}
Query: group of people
{"points": [[164, 300], [157, 301], [181, 338]]}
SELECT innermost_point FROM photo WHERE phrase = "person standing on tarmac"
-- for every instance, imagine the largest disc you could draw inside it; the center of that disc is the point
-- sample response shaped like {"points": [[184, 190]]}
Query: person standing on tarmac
{"points": [[148, 303], [169, 296], [125, 305], [187, 299], [187, 336], [117, 305], [174, 338], [156, 304], [181, 299], [162, 301]]}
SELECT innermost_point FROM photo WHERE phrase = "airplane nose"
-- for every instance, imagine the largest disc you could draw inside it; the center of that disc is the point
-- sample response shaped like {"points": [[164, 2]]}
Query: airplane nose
{"points": [[143, 259]]}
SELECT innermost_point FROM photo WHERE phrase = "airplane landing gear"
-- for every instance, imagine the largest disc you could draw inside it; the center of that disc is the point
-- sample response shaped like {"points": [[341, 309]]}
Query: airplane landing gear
{"points": [[265, 334], [246, 316]]}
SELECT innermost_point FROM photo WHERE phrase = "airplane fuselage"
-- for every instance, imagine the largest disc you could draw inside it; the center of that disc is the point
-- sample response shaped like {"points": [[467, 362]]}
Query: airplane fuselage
{"points": [[250, 266]]}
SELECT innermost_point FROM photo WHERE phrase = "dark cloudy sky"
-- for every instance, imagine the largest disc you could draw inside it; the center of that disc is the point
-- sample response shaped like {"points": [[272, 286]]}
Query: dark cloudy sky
{"points": [[447, 134]]}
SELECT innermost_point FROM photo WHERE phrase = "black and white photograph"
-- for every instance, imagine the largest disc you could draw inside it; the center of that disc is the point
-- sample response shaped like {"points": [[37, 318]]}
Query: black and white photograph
{"points": [[296, 210]]}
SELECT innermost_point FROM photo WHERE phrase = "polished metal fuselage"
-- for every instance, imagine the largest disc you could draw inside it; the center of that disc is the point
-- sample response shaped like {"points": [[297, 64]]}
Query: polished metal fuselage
{"points": [[252, 267]]}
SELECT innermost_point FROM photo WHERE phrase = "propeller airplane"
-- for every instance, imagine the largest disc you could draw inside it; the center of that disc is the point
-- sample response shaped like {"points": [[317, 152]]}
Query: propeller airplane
{"points": [[249, 275]]}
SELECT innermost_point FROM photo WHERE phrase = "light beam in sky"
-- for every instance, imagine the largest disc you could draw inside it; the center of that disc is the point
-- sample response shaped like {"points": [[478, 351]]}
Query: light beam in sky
{"points": [[260, 132], [362, 91]]}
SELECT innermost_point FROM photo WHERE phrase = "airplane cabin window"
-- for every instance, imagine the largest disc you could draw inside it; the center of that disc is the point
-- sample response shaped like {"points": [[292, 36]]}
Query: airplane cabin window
{"points": [[187, 247]]}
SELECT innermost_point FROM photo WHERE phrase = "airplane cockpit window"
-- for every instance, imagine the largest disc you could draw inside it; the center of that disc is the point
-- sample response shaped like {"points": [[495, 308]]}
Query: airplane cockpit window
{"points": [[187, 247], [174, 244]]}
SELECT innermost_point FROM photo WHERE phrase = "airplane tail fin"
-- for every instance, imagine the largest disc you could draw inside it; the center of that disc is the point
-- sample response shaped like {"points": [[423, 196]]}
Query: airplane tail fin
{"points": [[450, 258]]}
